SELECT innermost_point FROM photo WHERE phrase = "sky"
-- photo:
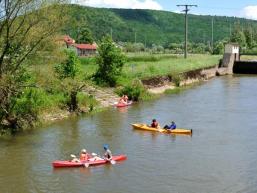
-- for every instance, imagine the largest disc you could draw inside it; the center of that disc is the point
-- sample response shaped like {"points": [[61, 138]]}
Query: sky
{"points": [[236, 8]]}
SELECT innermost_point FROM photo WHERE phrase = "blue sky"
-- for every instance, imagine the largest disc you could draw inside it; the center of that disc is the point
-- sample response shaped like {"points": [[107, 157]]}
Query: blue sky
{"points": [[238, 8]]}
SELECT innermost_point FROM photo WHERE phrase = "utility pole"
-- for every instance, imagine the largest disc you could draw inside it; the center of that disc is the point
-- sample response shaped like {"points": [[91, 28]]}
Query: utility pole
{"points": [[230, 31], [145, 41], [212, 33], [186, 11], [135, 37], [111, 32]]}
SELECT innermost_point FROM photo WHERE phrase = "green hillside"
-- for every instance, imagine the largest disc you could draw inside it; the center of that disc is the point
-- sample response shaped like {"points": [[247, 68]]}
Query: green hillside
{"points": [[152, 27]]}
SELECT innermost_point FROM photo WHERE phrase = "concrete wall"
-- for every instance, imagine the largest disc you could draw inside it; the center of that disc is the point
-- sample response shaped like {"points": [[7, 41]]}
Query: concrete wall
{"points": [[245, 67]]}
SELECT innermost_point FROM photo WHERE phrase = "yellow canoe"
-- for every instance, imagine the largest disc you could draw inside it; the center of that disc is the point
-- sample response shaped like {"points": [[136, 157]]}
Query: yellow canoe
{"points": [[141, 126]]}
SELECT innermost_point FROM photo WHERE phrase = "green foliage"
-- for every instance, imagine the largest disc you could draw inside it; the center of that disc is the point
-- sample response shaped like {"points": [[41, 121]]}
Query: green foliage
{"points": [[68, 68], [176, 78], [133, 47], [135, 91], [152, 27], [85, 35], [87, 101], [110, 61], [30, 102], [238, 36], [218, 48]]}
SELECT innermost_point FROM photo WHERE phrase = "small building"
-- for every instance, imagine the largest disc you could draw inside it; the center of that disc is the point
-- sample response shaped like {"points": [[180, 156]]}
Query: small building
{"points": [[85, 49], [233, 49], [68, 40], [230, 56]]}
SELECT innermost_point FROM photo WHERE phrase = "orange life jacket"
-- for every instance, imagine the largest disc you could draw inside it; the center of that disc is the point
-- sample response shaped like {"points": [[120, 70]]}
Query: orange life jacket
{"points": [[84, 157]]}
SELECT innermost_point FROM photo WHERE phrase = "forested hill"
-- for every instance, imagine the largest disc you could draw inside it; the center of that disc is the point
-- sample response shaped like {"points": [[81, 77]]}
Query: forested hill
{"points": [[152, 27]]}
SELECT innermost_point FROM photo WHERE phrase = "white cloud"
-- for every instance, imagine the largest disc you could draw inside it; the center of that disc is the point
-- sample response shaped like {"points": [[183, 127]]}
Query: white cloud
{"points": [[249, 12], [132, 4]]}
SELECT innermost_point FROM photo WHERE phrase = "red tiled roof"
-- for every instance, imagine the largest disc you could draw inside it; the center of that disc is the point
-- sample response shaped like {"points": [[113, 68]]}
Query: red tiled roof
{"points": [[86, 46], [68, 39]]}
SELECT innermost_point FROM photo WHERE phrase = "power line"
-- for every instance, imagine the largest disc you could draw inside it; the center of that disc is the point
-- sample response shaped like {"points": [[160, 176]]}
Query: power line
{"points": [[186, 10]]}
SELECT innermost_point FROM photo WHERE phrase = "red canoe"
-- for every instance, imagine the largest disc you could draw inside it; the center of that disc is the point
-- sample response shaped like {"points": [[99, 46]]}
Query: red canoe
{"points": [[124, 105], [59, 163]]}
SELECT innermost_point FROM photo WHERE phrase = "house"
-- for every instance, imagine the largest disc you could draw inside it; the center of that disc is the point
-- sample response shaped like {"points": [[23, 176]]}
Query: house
{"points": [[68, 40], [85, 49], [80, 49]]}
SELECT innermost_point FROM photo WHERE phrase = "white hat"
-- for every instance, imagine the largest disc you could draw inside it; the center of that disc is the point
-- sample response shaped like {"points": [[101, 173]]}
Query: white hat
{"points": [[84, 151], [94, 154]]}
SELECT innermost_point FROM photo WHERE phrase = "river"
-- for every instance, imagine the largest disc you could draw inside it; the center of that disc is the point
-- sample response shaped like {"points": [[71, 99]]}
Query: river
{"points": [[220, 156]]}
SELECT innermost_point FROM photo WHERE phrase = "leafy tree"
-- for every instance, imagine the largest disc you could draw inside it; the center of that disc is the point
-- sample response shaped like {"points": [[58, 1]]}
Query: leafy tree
{"points": [[110, 61], [218, 48], [238, 36], [85, 35], [248, 32], [68, 68], [67, 73], [26, 27]]}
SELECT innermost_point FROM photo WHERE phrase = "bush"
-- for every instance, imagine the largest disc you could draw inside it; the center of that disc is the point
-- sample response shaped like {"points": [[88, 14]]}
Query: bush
{"points": [[176, 79], [134, 91], [87, 101]]}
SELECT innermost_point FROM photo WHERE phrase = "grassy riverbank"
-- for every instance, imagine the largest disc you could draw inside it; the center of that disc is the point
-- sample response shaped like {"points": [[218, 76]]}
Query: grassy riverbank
{"points": [[146, 65], [50, 99]]}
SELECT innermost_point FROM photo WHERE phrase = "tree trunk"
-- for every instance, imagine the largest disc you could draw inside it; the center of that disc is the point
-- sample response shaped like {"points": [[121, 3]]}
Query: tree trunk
{"points": [[73, 101]]}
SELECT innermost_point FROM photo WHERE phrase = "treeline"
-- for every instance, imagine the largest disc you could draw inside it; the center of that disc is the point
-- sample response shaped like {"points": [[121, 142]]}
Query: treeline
{"points": [[150, 27]]}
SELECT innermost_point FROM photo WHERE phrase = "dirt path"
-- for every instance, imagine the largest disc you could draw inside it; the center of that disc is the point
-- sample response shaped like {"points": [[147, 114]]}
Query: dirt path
{"points": [[105, 96]]}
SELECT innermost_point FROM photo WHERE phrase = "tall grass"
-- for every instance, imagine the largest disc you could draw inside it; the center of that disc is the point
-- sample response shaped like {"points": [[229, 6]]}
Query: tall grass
{"points": [[167, 64]]}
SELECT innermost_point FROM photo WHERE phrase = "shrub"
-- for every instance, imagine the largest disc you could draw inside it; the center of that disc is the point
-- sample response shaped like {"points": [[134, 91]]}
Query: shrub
{"points": [[135, 91], [176, 79]]}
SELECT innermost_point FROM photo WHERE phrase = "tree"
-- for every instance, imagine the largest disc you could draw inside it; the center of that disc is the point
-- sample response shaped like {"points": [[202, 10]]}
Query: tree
{"points": [[110, 61], [26, 27], [85, 35], [67, 72], [218, 48], [248, 32], [68, 68], [238, 36]]}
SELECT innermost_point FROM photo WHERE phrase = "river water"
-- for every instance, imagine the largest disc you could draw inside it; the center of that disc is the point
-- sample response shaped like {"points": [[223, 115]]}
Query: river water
{"points": [[221, 155]]}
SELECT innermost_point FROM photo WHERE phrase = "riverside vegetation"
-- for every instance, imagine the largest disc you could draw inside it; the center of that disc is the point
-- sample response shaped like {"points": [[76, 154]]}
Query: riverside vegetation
{"points": [[39, 77]]}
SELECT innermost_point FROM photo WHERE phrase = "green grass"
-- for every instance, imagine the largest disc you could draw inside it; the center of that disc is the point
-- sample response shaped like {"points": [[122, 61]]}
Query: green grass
{"points": [[165, 65], [248, 57], [146, 65]]}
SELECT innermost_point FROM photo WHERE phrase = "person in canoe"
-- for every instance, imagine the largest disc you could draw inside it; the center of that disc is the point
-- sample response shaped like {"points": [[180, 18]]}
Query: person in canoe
{"points": [[154, 124], [84, 156], [123, 100], [126, 98], [107, 153], [171, 126]]}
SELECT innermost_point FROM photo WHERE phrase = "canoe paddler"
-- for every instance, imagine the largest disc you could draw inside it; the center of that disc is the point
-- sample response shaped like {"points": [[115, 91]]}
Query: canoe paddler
{"points": [[107, 153], [123, 100], [154, 124], [84, 156], [171, 126]]}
